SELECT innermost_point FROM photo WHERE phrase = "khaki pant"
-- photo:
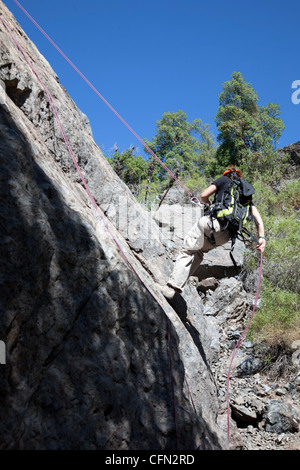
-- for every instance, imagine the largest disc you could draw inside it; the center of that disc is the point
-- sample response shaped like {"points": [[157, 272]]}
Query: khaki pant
{"points": [[196, 243]]}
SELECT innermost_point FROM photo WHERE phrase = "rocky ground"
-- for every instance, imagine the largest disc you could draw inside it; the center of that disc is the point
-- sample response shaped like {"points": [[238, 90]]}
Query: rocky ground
{"points": [[264, 385]]}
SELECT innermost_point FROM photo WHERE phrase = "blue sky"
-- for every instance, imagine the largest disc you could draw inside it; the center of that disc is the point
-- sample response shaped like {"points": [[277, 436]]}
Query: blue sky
{"points": [[155, 56]]}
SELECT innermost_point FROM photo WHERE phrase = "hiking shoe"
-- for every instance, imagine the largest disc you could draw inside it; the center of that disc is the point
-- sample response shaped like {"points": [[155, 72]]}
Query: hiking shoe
{"points": [[167, 291]]}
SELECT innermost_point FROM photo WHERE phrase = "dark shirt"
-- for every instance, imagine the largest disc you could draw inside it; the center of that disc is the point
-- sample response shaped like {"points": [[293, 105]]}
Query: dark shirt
{"points": [[221, 184]]}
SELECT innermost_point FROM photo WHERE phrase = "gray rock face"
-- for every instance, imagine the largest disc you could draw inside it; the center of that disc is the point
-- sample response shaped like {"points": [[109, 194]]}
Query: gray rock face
{"points": [[293, 152], [281, 417], [96, 358]]}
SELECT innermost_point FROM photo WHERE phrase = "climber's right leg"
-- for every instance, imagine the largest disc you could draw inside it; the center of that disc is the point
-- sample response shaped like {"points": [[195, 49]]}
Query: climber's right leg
{"points": [[196, 243]]}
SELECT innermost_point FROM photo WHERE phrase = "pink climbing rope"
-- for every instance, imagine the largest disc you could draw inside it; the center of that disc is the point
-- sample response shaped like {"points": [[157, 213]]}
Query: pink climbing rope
{"points": [[69, 148], [68, 145], [103, 99], [242, 337], [93, 200]]}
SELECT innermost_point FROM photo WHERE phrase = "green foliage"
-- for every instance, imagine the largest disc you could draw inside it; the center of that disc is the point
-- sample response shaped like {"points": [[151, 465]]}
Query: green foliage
{"points": [[130, 168], [282, 257], [248, 133], [196, 184], [281, 202], [184, 147], [279, 318], [282, 253], [248, 137], [148, 194]]}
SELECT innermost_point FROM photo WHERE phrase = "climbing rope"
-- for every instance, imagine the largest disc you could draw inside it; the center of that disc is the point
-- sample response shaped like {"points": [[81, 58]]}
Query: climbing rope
{"points": [[172, 381], [238, 345], [68, 145], [103, 99], [193, 199]]}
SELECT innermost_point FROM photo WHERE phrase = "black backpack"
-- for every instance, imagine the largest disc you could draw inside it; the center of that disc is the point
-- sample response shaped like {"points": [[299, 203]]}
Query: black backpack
{"points": [[234, 209]]}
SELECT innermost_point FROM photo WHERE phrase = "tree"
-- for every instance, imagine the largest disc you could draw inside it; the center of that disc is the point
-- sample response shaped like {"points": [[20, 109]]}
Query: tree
{"points": [[249, 133], [184, 147], [132, 169]]}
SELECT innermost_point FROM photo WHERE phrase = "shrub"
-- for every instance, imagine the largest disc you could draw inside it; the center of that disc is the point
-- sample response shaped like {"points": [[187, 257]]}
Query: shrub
{"points": [[279, 317]]}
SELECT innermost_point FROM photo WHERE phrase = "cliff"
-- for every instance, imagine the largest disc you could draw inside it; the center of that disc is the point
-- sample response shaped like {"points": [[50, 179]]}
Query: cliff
{"points": [[96, 358]]}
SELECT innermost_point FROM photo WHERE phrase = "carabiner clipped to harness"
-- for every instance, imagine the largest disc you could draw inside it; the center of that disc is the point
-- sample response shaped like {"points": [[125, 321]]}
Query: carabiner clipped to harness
{"points": [[195, 200]]}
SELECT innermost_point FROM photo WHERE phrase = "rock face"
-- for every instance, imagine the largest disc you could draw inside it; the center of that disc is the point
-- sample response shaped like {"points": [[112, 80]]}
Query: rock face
{"points": [[293, 152], [96, 358], [264, 394]]}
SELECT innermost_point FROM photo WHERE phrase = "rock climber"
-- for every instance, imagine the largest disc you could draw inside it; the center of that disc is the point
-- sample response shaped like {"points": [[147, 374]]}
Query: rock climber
{"points": [[198, 239]]}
